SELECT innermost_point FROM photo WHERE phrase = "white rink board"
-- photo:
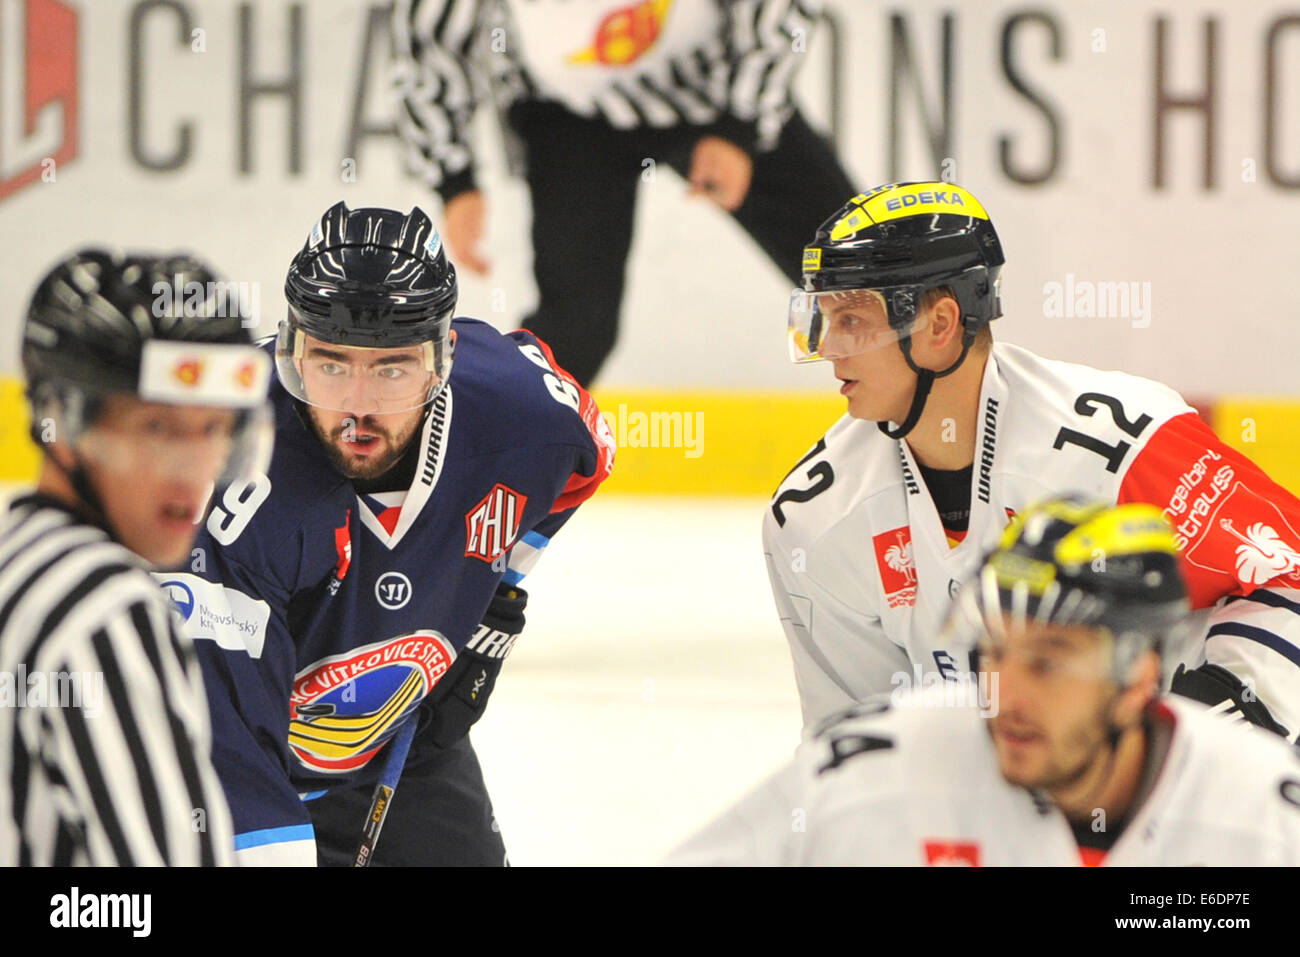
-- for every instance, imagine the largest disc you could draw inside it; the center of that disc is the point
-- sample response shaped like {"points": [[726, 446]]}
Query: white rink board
{"points": [[1213, 257]]}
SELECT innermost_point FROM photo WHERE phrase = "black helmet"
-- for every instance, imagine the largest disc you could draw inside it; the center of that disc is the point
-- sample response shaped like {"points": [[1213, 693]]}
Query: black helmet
{"points": [[370, 278], [900, 241], [160, 328], [913, 237], [93, 316], [1070, 561]]}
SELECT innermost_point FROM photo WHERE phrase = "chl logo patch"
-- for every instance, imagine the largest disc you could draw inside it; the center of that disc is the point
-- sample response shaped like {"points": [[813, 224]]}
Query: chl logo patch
{"points": [[393, 590], [492, 525], [897, 566]]}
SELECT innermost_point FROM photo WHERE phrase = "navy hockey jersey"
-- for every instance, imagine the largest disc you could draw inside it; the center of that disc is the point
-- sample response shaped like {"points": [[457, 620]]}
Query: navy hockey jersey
{"points": [[330, 615]]}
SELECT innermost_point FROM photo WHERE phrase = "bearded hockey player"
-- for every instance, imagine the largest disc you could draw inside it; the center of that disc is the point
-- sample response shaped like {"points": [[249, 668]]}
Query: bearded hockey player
{"points": [[948, 435], [1063, 754], [371, 577]]}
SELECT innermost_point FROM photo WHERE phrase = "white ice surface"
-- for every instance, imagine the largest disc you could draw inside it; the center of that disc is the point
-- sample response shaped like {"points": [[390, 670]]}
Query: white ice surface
{"points": [[651, 688]]}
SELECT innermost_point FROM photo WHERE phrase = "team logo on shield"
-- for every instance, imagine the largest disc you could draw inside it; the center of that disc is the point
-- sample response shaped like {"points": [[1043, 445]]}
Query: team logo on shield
{"points": [[345, 708], [492, 525], [897, 566]]}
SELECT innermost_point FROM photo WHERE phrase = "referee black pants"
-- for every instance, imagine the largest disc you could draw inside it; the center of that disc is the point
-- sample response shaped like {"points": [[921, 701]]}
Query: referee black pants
{"points": [[583, 175], [440, 815]]}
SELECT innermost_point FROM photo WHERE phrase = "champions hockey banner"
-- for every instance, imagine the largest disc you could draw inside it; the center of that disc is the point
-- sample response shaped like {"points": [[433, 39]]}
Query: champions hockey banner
{"points": [[1141, 162]]}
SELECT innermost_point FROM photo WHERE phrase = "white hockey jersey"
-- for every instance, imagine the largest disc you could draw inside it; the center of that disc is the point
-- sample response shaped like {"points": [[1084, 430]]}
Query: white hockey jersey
{"points": [[916, 785], [863, 573]]}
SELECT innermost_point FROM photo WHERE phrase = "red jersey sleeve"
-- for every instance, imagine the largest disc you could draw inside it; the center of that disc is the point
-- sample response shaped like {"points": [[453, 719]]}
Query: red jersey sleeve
{"points": [[1236, 526], [581, 487]]}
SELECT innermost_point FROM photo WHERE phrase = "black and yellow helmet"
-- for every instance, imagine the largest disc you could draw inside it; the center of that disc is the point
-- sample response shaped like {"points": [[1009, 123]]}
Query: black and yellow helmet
{"points": [[1069, 561], [910, 238], [888, 247]]}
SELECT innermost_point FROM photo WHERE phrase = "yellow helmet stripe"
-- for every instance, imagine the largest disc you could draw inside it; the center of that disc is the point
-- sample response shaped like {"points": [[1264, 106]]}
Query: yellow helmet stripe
{"points": [[897, 202]]}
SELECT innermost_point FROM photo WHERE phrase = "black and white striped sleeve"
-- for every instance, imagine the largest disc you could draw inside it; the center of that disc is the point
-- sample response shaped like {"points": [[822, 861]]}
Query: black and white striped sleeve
{"points": [[433, 41], [766, 40], [131, 760]]}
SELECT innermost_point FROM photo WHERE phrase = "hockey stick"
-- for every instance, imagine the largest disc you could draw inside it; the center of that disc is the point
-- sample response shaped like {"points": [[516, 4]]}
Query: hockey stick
{"points": [[393, 764]]}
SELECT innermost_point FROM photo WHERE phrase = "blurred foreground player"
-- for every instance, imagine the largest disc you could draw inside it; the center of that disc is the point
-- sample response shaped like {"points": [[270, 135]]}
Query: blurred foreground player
{"points": [[371, 578], [1062, 754], [140, 403], [948, 434]]}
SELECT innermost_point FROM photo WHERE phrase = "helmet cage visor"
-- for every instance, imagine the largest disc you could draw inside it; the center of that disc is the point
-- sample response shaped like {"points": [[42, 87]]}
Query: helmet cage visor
{"points": [[993, 614]]}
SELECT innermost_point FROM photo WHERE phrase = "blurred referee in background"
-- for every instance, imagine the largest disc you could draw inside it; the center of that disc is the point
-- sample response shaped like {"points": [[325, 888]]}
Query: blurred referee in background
{"points": [[140, 403], [593, 89]]}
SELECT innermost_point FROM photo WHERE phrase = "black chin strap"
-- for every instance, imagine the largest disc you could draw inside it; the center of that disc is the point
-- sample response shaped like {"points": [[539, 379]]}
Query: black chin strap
{"points": [[924, 380]]}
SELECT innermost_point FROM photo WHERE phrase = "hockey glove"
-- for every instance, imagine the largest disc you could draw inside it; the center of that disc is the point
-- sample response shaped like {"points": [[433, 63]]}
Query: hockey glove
{"points": [[458, 699], [1221, 689]]}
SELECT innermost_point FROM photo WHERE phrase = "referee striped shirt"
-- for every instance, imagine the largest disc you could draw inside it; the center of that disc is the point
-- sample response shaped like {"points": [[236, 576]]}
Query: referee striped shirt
{"points": [[634, 63], [104, 736]]}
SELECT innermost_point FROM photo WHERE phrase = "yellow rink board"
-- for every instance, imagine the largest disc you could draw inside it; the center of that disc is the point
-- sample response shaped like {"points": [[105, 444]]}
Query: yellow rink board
{"points": [[727, 443], [1267, 431], [743, 443], [19, 457]]}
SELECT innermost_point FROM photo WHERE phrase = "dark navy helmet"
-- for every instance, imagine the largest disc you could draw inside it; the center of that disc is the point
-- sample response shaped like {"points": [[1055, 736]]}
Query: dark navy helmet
{"points": [[374, 279]]}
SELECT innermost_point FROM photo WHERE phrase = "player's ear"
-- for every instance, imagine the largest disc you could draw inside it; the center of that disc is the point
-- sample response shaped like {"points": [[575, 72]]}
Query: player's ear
{"points": [[945, 322], [1143, 685]]}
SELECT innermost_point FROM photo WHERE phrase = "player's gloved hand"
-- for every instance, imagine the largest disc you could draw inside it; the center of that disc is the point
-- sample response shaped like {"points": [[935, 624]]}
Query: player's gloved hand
{"points": [[459, 697], [1225, 693]]}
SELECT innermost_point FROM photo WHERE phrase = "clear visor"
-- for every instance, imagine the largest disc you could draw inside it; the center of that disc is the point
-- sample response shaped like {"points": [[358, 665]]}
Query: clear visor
{"points": [[849, 322], [359, 379], [188, 444]]}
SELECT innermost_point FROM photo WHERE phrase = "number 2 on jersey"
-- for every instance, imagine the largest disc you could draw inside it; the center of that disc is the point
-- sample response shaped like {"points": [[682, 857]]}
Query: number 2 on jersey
{"points": [[823, 477]]}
